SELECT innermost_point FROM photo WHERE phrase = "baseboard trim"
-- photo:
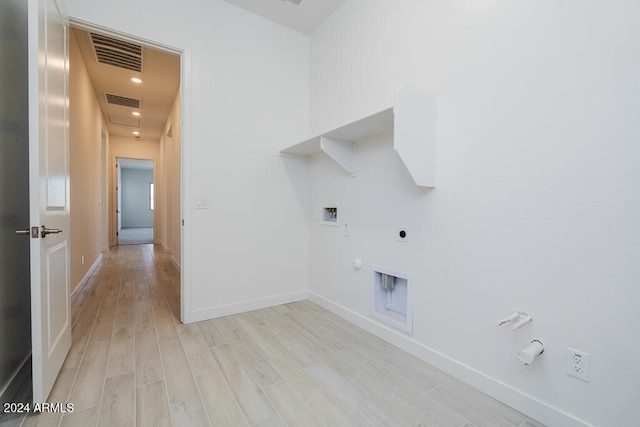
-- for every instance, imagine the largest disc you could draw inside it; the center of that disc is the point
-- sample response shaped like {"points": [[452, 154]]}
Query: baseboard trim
{"points": [[243, 306], [85, 279], [21, 375], [515, 398], [169, 252]]}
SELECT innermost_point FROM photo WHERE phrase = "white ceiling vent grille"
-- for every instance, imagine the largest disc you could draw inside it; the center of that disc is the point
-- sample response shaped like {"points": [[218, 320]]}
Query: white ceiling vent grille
{"points": [[118, 53], [123, 101], [295, 2]]}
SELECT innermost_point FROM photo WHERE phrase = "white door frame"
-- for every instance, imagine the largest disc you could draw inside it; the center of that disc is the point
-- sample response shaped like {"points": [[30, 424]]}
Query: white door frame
{"points": [[117, 189]]}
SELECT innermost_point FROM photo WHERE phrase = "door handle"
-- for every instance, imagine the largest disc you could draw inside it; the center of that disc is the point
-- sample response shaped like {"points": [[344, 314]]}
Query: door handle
{"points": [[33, 231], [44, 231]]}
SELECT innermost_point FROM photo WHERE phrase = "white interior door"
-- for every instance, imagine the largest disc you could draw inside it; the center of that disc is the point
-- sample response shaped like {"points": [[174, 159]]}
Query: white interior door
{"points": [[49, 192]]}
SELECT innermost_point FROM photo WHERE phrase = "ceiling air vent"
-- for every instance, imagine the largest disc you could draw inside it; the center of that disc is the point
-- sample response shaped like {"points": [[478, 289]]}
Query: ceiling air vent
{"points": [[118, 53], [295, 2], [123, 101]]}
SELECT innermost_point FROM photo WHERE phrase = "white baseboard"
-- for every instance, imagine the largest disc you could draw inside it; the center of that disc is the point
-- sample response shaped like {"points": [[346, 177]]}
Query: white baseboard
{"points": [[13, 384], [243, 306], [175, 261], [169, 252], [86, 277], [515, 398]]}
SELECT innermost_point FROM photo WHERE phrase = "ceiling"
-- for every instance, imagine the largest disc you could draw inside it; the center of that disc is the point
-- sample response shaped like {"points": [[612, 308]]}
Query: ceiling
{"points": [[118, 96], [126, 163], [159, 71], [301, 15]]}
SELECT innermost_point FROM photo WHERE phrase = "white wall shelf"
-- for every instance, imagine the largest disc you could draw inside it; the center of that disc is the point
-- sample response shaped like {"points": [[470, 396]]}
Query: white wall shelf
{"points": [[413, 121]]}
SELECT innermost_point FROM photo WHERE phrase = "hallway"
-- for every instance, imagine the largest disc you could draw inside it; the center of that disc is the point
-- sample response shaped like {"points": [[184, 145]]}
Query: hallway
{"points": [[133, 363]]}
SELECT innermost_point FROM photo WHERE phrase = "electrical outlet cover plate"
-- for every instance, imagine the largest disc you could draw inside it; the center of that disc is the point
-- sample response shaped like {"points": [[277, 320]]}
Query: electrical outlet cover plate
{"points": [[579, 364]]}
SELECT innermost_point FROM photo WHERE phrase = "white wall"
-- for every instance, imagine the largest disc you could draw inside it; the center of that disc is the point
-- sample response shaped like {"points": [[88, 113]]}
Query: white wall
{"points": [[169, 200], [85, 168], [536, 206], [245, 95]]}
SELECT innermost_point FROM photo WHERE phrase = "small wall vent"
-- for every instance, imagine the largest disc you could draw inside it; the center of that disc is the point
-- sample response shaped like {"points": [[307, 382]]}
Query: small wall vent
{"points": [[123, 101], [295, 2], [118, 53]]}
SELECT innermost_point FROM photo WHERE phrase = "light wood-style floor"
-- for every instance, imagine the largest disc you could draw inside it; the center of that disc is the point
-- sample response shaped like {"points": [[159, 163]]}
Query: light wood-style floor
{"points": [[133, 363]]}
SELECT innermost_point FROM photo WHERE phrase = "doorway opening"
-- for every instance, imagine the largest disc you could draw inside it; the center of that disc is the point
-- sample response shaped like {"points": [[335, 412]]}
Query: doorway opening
{"points": [[136, 201], [137, 88]]}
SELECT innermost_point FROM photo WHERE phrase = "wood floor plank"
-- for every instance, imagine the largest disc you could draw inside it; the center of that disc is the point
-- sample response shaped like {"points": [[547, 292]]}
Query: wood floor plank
{"points": [[359, 406], [291, 407], [125, 311], [470, 410], [152, 408], [87, 389], [486, 402], [226, 323], [42, 420], [401, 383], [255, 406], [87, 417], [331, 337], [89, 312], [219, 401], [79, 339], [415, 394], [384, 398], [144, 314], [103, 327], [210, 333], [197, 352], [315, 346], [148, 363], [117, 405], [178, 376], [253, 331], [292, 347], [163, 318], [189, 412], [253, 358], [274, 421], [122, 351], [62, 387], [141, 290]]}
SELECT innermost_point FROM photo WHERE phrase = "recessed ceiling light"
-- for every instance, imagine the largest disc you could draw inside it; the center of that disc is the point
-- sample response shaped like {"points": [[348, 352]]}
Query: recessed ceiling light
{"points": [[136, 113], [135, 132], [136, 80]]}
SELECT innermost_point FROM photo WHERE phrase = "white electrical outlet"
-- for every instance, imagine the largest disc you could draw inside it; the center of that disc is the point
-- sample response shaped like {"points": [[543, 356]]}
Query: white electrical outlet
{"points": [[579, 364]]}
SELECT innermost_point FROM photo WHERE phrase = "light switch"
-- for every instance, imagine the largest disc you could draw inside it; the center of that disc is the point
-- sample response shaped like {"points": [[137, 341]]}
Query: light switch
{"points": [[200, 202]]}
